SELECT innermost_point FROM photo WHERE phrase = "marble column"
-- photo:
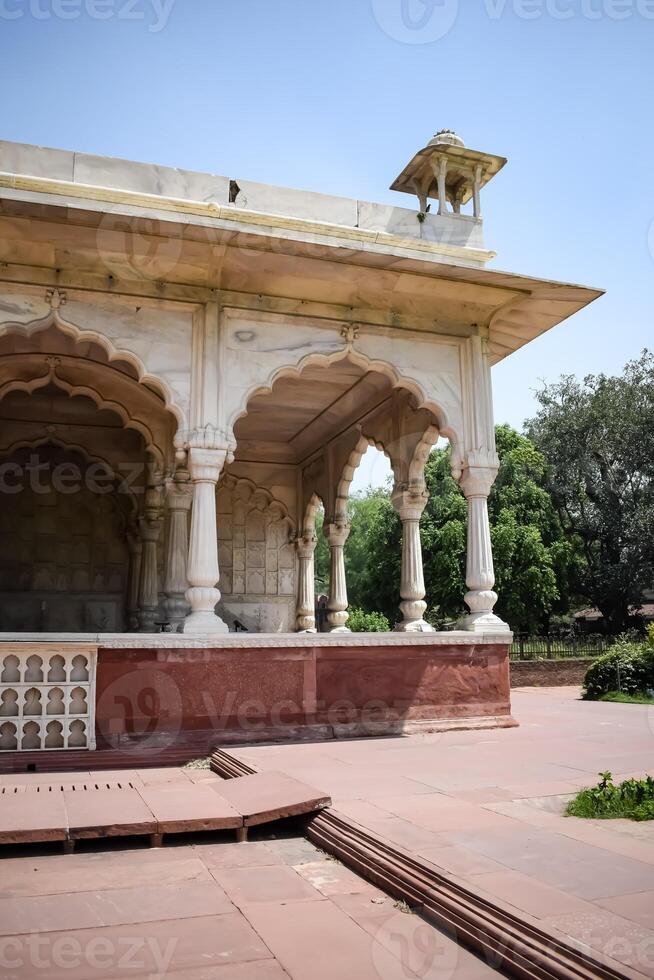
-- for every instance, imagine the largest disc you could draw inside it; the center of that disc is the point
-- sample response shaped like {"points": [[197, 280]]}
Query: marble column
{"points": [[476, 192], [306, 594], [135, 547], [476, 482], [150, 528], [179, 496], [410, 504], [442, 185], [337, 535], [203, 572]]}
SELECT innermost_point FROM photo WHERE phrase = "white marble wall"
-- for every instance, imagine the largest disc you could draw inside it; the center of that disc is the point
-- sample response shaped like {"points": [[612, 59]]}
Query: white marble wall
{"points": [[158, 336], [260, 346]]}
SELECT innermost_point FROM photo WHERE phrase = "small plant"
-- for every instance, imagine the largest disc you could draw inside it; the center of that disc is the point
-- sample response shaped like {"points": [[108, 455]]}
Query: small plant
{"points": [[360, 621], [633, 799], [421, 216]]}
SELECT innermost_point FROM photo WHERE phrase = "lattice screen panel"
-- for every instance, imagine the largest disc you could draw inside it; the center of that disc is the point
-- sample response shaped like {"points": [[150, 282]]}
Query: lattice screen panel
{"points": [[47, 696]]}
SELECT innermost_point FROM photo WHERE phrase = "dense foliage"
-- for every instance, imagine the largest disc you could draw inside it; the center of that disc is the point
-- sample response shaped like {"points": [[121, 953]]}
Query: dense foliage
{"points": [[598, 438], [627, 667], [633, 799]]}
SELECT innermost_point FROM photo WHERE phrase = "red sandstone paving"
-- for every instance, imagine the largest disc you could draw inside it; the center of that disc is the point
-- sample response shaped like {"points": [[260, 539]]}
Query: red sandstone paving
{"points": [[332, 878], [21, 821], [257, 970], [525, 893], [58, 874], [428, 952], [496, 798], [277, 884], [120, 906], [318, 941], [251, 854], [610, 934], [268, 796], [637, 908], [294, 850], [186, 944], [107, 812], [177, 903], [178, 807]]}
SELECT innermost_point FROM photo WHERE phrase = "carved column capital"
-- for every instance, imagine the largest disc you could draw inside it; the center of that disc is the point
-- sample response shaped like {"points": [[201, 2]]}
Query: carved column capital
{"points": [[409, 502], [476, 481], [205, 465], [179, 494], [336, 534], [150, 527], [306, 545]]}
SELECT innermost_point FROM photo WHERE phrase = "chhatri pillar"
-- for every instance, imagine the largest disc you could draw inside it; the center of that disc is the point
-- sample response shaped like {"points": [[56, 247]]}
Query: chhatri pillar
{"points": [[410, 503], [306, 593], [337, 534], [205, 466]]}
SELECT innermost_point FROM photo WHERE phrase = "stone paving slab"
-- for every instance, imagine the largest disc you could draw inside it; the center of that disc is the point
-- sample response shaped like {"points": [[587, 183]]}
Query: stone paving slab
{"points": [[269, 796], [23, 818], [487, 807], [107, 813], [179, 807], [212, 911], [45, 807]]}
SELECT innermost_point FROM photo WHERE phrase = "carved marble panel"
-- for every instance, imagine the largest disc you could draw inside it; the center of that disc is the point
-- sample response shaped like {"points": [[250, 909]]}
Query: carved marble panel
{"points": [[47, 697]]}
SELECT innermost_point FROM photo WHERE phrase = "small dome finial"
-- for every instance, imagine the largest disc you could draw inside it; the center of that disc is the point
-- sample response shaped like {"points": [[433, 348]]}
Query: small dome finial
{"points": [[447, 137]]}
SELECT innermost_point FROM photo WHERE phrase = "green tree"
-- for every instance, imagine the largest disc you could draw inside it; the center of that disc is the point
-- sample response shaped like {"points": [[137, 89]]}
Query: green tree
{"points": [[532, 557], [598, 437]]}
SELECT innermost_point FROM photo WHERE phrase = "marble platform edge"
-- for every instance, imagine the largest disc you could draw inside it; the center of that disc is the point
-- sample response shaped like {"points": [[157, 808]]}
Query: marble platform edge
{"points": [[226, 641]]}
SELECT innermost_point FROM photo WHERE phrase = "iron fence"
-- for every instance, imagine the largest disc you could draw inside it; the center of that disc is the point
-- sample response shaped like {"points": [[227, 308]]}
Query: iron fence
{"points": [[526, 647]]}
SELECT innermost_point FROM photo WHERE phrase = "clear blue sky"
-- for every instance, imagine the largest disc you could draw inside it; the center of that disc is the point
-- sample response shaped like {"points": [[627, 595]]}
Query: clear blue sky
{"points": [[336, 95]]}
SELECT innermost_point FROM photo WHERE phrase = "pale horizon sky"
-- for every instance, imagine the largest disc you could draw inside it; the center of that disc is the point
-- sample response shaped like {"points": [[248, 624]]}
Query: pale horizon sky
{"points": [[336, 96]]}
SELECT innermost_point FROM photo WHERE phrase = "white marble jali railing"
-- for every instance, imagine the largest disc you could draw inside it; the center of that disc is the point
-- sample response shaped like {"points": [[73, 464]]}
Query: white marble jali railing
{"points": [[47, 696]]}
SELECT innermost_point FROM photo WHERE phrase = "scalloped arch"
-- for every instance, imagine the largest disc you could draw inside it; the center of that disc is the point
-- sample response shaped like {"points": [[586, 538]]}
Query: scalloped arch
{"points": [[50, 440], [309, 518], [325, 360], [421, 452], [53, 318], [350, 468], [51, 377], [230, 482]]}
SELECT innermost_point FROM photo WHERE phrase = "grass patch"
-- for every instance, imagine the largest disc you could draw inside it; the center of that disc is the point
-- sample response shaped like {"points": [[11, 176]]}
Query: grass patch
{"points": [[623, 698], [633, 799]]}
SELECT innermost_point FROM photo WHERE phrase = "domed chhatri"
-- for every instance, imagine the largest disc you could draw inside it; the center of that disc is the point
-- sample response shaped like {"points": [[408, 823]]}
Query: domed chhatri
{"points": [[448, 171], [446, 137]]}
